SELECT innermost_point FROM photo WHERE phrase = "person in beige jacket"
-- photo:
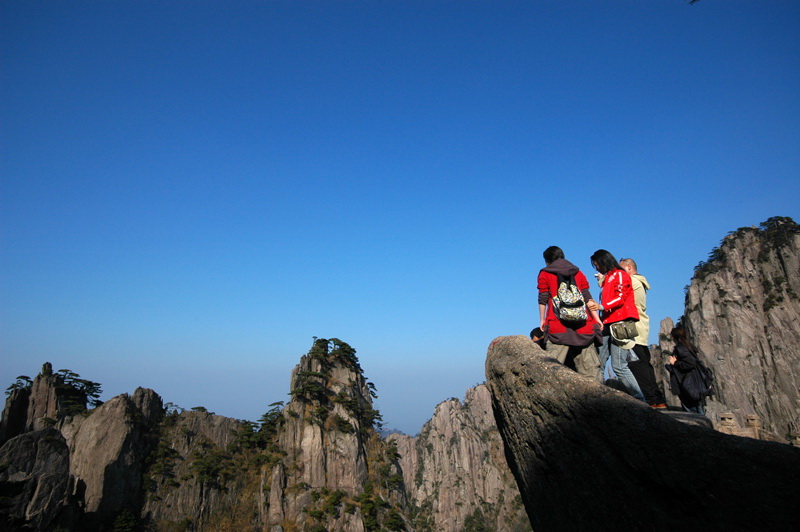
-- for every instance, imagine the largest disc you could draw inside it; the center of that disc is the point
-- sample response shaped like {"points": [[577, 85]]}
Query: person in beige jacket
{"points": [[642, 369]]}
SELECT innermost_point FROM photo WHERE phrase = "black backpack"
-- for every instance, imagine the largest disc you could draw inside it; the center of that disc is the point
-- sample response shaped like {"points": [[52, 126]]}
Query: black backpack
{"points": [[698, 383]]}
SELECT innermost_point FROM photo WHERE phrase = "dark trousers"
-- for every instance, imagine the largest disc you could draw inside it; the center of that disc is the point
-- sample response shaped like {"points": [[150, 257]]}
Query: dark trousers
{"points": [[645, 376]]}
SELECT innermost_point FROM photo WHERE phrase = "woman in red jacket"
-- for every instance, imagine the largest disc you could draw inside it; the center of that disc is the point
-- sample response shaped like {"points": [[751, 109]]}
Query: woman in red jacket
{"points": [[616, 304]]}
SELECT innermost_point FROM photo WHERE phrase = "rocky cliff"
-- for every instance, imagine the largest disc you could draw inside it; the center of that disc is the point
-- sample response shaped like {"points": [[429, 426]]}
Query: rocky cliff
{"points": [[455, 471], [587, 457], [742, 310], [80, 471], [316, 463]]}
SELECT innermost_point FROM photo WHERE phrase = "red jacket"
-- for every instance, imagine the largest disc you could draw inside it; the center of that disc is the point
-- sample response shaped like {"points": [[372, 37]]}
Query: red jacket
{"points": [[617, 299], [548, 283]]}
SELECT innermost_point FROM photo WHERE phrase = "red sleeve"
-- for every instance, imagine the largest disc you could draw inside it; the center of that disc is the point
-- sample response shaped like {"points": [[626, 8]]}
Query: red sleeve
{"points": [[544, 289], [614, 285], [543, 284], [581, 282]]}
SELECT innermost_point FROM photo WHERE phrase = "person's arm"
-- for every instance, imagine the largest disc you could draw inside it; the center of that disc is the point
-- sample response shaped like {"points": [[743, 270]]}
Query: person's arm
{"points": [[544, 298], [684, 360], [594, 313], [591, 304], [542, 315]]}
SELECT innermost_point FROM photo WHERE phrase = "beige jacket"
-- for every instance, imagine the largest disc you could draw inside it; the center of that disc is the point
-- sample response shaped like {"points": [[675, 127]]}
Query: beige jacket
{"points": [[640, 288]]}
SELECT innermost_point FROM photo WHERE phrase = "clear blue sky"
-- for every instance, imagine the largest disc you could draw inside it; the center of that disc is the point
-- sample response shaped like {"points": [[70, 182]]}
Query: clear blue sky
{"points": [[192, 190]]}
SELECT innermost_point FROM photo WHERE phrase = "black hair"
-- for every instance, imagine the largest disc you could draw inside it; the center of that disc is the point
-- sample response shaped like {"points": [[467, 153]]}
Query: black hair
{"points": [[604, 261], [678, 334], [552, 254]]}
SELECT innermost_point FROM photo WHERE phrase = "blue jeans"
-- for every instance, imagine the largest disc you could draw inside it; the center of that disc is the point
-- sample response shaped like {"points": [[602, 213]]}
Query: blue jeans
{"points": [[694, 409], [619, 363]]}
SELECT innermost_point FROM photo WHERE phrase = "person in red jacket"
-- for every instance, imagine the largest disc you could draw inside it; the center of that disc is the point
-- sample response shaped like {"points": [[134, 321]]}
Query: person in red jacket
{"points": [[572, 344], [616, 304]]}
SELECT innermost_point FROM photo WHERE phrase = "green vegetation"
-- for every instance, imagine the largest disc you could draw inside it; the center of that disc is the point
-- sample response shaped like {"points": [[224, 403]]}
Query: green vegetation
{"points": [[23, 383], [371, 504], [476, 522], [315, 389], [319, 397], [778, 232], [713, 264], [125, 521], [73, 393], [163, 461], [774, 234]]}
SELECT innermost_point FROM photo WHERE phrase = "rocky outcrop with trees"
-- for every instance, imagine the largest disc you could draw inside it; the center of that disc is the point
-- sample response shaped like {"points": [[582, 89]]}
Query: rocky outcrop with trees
{"points": [[742, 312], [316, 463], [455, 471]]}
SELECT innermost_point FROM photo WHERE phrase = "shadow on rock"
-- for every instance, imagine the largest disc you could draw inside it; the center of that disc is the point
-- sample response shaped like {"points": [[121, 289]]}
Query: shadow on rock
{"points": [[587, 457]]}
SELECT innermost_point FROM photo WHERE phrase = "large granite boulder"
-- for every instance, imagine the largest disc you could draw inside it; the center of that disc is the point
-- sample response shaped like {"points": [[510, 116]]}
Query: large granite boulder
{"points": [[35, 481], [587, 457]]}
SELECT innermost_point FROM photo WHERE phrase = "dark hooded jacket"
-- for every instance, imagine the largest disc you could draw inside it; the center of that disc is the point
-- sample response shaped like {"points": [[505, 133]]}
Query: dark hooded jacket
{"points": [[555, 330]]}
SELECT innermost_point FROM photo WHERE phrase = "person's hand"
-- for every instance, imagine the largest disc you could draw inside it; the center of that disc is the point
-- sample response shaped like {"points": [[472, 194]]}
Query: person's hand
{"points": [[673, 359]]}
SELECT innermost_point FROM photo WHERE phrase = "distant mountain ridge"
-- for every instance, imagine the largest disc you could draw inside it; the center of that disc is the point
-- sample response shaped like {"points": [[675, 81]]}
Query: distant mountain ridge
{"points": [[316, 463]]}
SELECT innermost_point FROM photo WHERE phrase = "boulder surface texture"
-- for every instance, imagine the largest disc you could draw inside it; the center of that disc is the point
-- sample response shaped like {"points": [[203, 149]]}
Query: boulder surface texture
{"points": [[587, 457]]}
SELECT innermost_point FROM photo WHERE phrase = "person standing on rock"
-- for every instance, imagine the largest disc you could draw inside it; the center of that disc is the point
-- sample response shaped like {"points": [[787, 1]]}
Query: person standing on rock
{"points": [[616, 304], [571, 343], [642, 369]]}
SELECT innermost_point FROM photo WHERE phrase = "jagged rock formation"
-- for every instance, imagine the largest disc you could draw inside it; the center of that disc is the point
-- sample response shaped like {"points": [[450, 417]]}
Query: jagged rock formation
{"points": [[191, 474], [108, 450], [47, 398], [587, 457], [456, 473], [35, 481], [742, 310], [86, 470], [336, 472], [316, 463]]}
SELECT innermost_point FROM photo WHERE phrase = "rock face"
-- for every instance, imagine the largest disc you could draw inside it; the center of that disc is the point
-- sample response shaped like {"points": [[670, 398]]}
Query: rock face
{"points": [[742, 310], [587, 457], [455, 471], [188, 474], [35, 481], [15, 414], [38, 406], [109, 449], [332, 455], [316, 463]]}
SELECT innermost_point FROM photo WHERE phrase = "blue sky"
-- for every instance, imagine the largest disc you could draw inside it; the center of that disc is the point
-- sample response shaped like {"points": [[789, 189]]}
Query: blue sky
{"points": [[191, 190]]}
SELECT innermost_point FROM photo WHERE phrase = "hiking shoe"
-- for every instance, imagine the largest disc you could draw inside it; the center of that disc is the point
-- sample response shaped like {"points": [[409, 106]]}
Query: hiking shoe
{"points": [[660, 406]]}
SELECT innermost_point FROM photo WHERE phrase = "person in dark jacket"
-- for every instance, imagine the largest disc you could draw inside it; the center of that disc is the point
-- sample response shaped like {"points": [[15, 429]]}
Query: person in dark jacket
{"points": [[684, 361], [572, 344], [616, 304]]}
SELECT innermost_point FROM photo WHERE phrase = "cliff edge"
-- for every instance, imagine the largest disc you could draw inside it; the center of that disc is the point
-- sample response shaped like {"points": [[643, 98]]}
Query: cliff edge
{"points": [[587, 457]]}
